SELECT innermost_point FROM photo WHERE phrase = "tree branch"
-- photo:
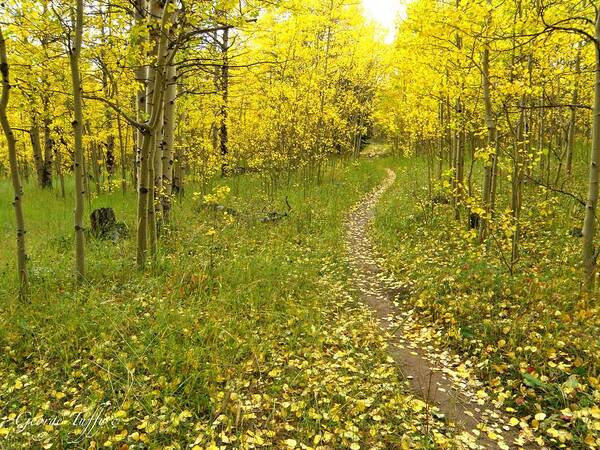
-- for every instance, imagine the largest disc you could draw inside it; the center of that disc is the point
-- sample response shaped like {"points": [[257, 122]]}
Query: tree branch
{"points": [[139, 125]]}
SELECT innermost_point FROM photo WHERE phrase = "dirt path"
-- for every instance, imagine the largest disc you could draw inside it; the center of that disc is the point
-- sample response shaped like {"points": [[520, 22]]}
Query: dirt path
{"points": [[427, 370]]}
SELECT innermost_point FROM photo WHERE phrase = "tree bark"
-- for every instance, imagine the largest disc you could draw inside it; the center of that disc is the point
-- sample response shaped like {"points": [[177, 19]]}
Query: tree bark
{"points": [[168, 141], [148, 131], [490, 121], [122, 146], [573, 114], [223, 130], [440, 157], [74, 53], [517, 182], [589, 257], [36, 147], [141, 76], [46, 181], [59, 171], [14, 170]]}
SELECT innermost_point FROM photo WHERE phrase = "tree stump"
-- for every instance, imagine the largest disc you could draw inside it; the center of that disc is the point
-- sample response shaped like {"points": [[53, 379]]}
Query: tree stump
{"points": [[103, 222]]}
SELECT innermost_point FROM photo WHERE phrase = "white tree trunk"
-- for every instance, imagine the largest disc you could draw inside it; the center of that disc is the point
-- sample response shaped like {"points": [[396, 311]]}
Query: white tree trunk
{"points": [[589, 257], [168, 141], [74, 53], [14, 169], [147, 141]]}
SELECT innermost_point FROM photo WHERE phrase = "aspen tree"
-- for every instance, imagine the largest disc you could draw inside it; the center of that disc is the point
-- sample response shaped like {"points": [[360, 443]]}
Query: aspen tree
{"points": [[168, 141], [148, 134], [224, 88], [46, 181], [14, 169], [573, 114], [589, 224], [74, 54], [157, 11], [569, 25], [36, 147], [141, 76], [490, 121]]}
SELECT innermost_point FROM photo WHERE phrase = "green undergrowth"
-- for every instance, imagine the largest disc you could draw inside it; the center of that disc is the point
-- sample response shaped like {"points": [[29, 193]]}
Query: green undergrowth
{"points": [[531, 337], [242, 335]]}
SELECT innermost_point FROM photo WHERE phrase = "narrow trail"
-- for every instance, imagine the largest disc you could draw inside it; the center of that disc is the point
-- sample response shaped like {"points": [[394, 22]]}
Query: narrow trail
{"points": [[428, 370]]}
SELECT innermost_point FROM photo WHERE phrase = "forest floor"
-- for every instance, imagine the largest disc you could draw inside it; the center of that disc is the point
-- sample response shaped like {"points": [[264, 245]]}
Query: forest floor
{"points": [[243, 334], [249, 334]]}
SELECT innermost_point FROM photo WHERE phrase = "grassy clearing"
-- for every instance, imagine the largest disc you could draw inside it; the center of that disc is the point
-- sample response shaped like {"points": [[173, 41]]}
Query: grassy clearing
{"points": [[244, 335], [532, 337]]}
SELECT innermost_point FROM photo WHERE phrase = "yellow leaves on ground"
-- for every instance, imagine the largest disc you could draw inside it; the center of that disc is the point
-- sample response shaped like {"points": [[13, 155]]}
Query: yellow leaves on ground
{"points": [[298, 363], [291, 443], [525, 335]]}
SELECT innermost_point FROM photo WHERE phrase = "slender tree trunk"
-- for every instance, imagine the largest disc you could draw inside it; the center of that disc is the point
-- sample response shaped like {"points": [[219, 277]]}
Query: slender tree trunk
{"points": [[440, 162], [517, 182], [491, 142], [178, 182], [154, 72], [148, 133], [154, 176], [48, 145], [142, 225], [458, 143], [94, 157], [24, 162], [86, 177], [589, 257], [110, 154], [494, 180], [573, 115], [14, 170], [459, 160], [74, 53], [141, 76], [59, 171], [541, 131], [168, 141], [223, 130], [122, 147], [36, 147]]}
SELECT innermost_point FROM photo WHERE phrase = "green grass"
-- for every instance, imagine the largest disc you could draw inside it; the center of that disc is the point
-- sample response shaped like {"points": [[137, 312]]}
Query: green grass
{"points": [[532, 337], [244, 337]]}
